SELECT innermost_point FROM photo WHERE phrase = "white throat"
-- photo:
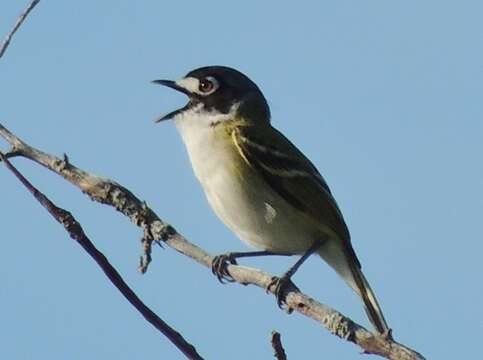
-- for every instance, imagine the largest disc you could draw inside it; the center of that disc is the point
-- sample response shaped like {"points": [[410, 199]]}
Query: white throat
{"points": [[200, 117], [193, 123], [206, 148]]}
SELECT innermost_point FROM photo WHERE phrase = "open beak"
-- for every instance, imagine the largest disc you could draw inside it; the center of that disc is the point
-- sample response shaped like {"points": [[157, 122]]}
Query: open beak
{"points": [[172, 84]]}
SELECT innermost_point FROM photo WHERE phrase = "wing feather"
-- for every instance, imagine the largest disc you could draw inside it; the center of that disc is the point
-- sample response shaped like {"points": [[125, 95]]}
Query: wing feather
{"points": [[291, 174]]}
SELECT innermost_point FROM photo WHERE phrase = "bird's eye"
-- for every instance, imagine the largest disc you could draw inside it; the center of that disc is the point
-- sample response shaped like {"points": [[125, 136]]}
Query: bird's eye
{"points": [[207, 85]]}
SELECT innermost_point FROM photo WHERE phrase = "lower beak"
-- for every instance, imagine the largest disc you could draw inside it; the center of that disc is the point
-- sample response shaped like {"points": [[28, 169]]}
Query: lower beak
{"points": [[172, 114], [172, 84]]}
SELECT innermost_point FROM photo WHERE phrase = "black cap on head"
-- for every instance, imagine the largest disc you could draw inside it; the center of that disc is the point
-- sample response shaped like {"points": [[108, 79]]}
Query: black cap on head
{"points": [[219, 88]]}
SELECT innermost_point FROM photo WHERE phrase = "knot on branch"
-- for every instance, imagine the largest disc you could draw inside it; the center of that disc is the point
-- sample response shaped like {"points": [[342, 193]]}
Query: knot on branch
{"points": [[61, 164], [162, 231]]}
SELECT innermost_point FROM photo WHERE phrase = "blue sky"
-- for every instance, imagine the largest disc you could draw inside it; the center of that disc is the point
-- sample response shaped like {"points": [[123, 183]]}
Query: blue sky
{"points": [[384, 97]]}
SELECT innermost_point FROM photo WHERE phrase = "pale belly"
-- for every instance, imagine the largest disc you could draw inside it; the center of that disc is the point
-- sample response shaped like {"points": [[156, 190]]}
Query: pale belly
{"points": [[258, 217]]}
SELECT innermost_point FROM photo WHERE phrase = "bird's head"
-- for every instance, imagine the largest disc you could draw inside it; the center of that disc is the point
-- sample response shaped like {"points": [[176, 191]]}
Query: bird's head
{"points": [[219, 90]]}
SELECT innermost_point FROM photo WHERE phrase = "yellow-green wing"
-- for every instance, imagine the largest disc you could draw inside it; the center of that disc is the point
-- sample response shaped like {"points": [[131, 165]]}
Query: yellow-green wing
{"points": [[291, 174]]}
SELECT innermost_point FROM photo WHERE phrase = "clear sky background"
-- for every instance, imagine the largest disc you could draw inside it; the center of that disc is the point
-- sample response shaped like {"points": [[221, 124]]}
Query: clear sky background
{"points": [[384, 97]]}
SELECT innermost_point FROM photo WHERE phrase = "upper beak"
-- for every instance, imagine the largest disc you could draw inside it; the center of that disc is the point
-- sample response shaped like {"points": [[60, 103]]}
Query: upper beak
{"points": [[171, 84]]}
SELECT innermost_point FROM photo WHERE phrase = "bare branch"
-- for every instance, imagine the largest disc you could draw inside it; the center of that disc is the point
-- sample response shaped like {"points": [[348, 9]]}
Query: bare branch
{"points": [[111, 193], [99, 189], [77, 233], [278, 350], [21, 18]]}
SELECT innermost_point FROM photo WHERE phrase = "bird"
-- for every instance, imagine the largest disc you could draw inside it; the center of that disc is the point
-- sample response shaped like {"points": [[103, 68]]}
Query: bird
{"points": [[259, 183]]}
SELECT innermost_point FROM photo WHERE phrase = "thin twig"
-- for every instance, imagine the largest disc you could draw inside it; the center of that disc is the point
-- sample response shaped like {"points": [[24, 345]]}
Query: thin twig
{"points": [[278, 350], [77, 233], [111, 193], [21, 18]]}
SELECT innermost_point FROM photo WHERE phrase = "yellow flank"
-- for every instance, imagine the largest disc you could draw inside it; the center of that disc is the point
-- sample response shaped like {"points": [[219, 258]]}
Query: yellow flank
{"points": [[228, 133], [240, 151]]}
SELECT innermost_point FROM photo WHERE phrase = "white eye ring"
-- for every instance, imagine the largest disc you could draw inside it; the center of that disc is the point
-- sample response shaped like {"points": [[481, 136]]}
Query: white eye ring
{"points": [[207, 86]]}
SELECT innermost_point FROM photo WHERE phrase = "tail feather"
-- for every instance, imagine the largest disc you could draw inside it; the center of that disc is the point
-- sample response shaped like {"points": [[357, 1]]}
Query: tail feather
{"points": [[345, 263], [373, 310]]}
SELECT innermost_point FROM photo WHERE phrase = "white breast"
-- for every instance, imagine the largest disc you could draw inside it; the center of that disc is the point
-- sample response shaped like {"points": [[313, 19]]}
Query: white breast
{"points": [[205, 151]]}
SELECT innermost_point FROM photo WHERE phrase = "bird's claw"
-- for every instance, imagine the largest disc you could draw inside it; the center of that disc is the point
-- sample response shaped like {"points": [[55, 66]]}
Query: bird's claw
{"points": [[219, 267], [283, 285]]}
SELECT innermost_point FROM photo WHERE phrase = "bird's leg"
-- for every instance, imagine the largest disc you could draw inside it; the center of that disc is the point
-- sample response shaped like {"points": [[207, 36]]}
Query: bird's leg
{"points": [[284, 283], [220, 262]]}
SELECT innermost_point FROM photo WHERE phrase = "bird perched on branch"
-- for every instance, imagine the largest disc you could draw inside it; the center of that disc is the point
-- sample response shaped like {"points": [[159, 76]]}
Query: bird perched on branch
{"points": [[259, 184]]}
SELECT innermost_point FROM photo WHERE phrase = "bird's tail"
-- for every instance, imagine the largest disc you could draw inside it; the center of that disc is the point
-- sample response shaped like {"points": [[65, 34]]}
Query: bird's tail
{"points": [[345, 263]]}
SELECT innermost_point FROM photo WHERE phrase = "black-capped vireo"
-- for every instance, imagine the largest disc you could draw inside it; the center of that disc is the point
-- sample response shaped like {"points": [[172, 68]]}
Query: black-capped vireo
{"points": [[258, 183]]}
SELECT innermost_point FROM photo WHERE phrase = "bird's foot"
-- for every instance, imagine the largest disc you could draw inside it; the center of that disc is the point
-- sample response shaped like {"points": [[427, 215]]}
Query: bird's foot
{"points": [[219, 267], [283, 285]]}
